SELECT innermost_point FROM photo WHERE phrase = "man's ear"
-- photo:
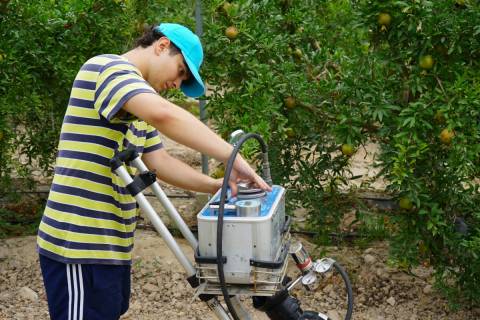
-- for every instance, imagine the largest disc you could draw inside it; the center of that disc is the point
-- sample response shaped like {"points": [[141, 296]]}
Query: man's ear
{"points": [[161, 44]]}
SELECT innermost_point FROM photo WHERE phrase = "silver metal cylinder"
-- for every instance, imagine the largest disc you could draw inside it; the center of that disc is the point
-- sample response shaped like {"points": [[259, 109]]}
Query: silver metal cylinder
{"points": [[301, 257], [248, 208]]}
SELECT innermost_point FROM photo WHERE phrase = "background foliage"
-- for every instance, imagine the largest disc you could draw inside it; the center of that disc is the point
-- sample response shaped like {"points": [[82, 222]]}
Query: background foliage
{"points": [[42, 46], [427, 113], [318, 79]]}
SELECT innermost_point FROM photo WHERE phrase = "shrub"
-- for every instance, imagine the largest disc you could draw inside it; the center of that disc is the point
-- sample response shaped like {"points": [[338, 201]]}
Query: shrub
{"points": [[427, 110], [277, 77]]}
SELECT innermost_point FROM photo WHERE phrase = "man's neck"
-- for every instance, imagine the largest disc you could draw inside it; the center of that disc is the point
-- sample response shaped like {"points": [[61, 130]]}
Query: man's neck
{"points": [[138, 57]]}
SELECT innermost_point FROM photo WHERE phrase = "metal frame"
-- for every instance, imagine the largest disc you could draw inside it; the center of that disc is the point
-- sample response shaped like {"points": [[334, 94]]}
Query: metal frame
{"points": [[160, 227], [264, 281]]}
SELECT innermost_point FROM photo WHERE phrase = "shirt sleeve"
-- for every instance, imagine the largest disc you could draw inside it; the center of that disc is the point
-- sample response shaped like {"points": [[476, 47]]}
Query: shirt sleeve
{"points": [[118, 81], [152, 140]]}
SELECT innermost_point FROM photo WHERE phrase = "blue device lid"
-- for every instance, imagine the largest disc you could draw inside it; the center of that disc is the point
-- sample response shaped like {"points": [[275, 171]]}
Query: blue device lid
{"points": [[266, 204]]}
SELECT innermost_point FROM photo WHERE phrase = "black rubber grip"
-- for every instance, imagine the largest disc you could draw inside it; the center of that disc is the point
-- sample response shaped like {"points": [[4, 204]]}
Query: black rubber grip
{"points": [[193, 281], [206, 297], [124, 156], [141, 182]]}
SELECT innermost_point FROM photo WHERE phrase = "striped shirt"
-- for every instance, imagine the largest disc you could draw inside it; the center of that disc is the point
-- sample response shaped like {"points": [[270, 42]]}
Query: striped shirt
{"points": [[90, 217]]}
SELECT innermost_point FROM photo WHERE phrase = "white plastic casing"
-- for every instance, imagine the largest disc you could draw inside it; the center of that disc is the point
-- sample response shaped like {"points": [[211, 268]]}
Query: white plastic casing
{"points": [[244, 238]]}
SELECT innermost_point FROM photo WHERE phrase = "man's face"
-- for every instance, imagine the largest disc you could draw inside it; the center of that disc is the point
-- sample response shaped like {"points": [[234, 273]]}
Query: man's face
{"points": [[167, 70]]}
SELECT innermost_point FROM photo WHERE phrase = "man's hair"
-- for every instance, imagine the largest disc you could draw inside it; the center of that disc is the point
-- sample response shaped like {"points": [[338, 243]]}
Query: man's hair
{"points": [[150, 35]]}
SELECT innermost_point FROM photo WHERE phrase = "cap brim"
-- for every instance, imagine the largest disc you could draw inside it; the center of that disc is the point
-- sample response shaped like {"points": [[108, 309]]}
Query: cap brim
{"points": [[193, 87]]}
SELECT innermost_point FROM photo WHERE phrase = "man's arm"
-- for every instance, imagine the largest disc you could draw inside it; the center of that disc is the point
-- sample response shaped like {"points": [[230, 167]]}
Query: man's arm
{"points": [[177, 173], [181, 126], [178, 124]]}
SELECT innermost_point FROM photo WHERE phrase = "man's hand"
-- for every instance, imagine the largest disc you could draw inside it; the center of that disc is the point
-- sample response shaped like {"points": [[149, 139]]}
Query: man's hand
{"points": [[241, 172]]}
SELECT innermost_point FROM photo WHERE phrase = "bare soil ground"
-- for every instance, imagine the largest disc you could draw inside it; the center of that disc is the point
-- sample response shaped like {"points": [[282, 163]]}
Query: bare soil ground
{"points": [[159, 290]]}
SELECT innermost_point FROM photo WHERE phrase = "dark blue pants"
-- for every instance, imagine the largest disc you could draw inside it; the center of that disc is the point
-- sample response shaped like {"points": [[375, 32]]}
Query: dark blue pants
{"points": [[85, 291]]}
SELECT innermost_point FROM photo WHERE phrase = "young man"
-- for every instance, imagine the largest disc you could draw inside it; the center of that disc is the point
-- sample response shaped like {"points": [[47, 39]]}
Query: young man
{"points": [[85, 237]]}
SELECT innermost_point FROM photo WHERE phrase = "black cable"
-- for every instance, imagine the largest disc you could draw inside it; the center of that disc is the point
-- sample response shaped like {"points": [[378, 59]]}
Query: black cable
{"points": [[221, 209], [348, 285], [223, 196]]}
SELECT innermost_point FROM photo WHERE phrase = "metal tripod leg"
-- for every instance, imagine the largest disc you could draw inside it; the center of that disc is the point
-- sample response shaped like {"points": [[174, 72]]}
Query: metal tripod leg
{"points": [[184, 229], [167, 204], [160, 227], [147, 208]]}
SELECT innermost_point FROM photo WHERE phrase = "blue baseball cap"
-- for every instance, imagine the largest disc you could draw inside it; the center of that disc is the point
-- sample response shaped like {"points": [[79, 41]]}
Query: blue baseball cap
{"points": [[191, 48]]}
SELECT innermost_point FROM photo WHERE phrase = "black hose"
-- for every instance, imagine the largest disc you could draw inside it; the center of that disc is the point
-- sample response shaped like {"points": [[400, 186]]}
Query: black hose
{"points": [[348, 285], [221, 210], [223, 196]]}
